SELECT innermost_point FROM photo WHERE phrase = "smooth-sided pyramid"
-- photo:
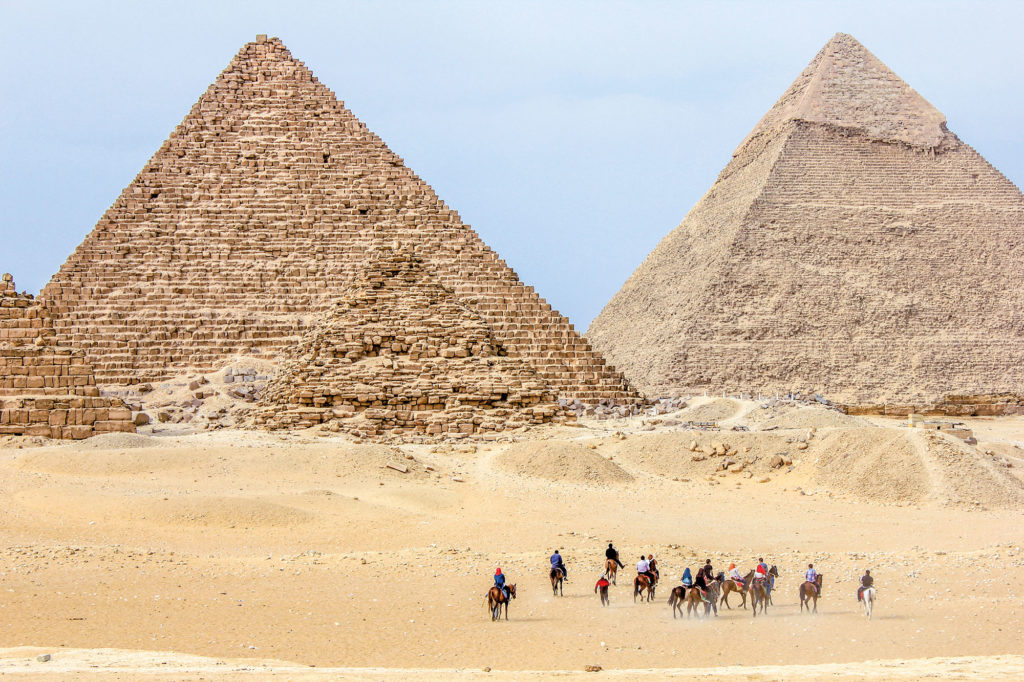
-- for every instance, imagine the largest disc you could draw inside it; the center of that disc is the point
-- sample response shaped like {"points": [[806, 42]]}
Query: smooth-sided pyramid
{"points": [[47, 389], [853, 246], [251, 219], [400, 354]]}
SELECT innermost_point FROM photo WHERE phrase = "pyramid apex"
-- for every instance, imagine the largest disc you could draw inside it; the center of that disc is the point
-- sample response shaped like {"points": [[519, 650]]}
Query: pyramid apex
{"points": [[845, 85]]}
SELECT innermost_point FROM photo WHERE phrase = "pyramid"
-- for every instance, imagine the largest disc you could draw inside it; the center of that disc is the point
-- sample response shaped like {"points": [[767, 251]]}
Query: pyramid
{"points": [[401, 355], [47, 389], [249, 221], [853, 247]]}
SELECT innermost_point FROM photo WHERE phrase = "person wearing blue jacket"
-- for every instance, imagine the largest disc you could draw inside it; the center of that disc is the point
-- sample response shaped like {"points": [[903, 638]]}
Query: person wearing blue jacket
{"points": [[557, 562], [499, 582]]}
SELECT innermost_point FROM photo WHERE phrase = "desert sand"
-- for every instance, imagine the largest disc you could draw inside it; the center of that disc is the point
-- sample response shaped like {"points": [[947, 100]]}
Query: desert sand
{"points": [[237, 554]]}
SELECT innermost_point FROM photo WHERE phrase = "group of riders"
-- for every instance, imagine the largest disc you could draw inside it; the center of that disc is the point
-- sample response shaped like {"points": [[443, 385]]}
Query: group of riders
{"points": [[648, 566]]}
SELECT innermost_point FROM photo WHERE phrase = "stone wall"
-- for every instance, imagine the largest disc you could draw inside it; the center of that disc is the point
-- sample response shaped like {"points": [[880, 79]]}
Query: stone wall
{"points": [[47, 389]]}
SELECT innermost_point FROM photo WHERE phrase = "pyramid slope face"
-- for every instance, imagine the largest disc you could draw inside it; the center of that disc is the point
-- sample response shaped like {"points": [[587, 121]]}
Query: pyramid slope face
{"points": [[827, 259], [848, 87], [250, 220], [401, 355], [47, 389]]}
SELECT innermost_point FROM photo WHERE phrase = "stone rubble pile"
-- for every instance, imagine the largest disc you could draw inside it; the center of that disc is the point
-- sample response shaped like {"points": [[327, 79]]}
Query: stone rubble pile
{"points": [[47, 389], [402, 355]]}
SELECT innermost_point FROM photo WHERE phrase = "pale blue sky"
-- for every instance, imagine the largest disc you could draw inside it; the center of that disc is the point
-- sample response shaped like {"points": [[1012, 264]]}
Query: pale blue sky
{"points": [[572, 135]]}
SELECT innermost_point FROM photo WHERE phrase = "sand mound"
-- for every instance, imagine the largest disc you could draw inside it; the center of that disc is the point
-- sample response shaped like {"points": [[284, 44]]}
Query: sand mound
{"points": [[68, 461], [713, 411], [967, 476], [559, 460], [799, 417], [116, 441], [912, 466], [875, 464], [216, 512], [669, 454]]}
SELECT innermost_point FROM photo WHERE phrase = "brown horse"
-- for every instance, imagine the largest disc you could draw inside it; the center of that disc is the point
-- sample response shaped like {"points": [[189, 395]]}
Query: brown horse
{"points": [[641, 583], [714, 589], [759, 595], [809, 591], [611, 568], [603, 589], [694, 602], [676, 599], [557, 576], [730, 586], [495, 598]]}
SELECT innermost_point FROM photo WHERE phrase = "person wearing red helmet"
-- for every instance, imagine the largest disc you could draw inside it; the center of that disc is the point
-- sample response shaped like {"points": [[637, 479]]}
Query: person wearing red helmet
{"points": [[499, 581]]}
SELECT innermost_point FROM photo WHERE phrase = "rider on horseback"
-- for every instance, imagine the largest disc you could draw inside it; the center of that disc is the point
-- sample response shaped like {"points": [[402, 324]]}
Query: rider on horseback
{"points": [[643, 567], [735, 576], [653, 564], [687, 578], [613, 554], [866, 581], [707, 572], [556, 562], [811, 575], [499, 582], [761, 572]]}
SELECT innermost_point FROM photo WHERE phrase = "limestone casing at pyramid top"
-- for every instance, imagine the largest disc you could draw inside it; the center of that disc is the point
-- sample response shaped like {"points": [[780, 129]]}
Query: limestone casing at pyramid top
{"points": [[845, 85]]}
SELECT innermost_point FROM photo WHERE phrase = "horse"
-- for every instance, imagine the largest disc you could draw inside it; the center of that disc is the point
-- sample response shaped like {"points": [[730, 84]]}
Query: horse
{"points": [[676, 599], [714, 589], [611, 568], [495, 598], [773, 573], [729, 586], [809, 591], [869, 601], [641, 583], [693, 603], [604, 593], [759, 595], [557, 576]]}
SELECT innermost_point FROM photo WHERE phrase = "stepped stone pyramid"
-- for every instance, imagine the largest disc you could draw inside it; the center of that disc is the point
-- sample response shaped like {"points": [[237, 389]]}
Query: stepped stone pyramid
{"points": [[251, 219], [853, 246], [47, 389], [400, 354]]}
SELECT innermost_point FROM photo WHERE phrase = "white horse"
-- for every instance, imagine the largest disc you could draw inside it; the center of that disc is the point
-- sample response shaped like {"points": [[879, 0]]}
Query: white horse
{"points": [[869, 601]]}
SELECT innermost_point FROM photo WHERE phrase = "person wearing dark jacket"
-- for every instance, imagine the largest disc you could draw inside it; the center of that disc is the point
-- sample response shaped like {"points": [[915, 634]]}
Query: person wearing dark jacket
{"points": [[707, 572], [866, 581], [613, 554]]}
